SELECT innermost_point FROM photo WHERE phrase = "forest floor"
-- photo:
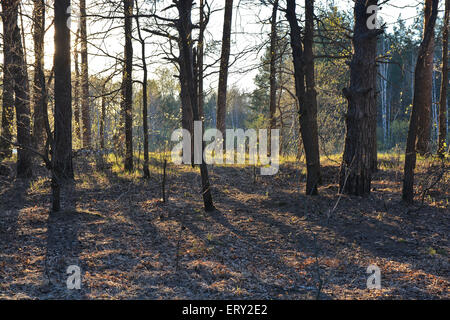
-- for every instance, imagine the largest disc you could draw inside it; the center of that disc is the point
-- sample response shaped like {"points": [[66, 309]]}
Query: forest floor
{"points": [[267, 240]]}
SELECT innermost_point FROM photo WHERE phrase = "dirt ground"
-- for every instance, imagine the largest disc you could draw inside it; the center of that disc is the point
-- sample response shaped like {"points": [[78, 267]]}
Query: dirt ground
{"points": [[267, 240]]}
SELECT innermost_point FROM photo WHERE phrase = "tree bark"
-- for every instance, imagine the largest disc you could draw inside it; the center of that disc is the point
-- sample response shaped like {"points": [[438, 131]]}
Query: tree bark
{"points": [[127, 86], [357, 162], [187, 77], [62, 148], [424, 96], [444, 83], [308, 124], [420, 76], [39, 85], [85, 112], [144, 98], [76, 90], [273, 69], [16, 73], [224, 64]]}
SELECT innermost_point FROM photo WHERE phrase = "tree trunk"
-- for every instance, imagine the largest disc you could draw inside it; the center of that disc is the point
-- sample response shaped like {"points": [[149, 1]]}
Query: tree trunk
{"points": [[16, 73], [62, 148], [76, 90], [224, 63], [186, 60], [39, 86], [273, 70], [311, 97], [8, 81], [127, 86], [357, 162], [144, 98], [424, 96], [444, 84], [86, 119], [308, 124], [420, 77]]}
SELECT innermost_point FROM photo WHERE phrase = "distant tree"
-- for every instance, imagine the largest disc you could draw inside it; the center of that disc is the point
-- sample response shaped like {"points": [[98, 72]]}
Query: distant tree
{"points": [[85, 113]]}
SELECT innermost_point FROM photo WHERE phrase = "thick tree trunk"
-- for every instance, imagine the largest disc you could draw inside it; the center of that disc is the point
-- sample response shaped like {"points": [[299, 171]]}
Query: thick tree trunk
{"points": [[39, 86], [358, 158], [85, 112], [443, 102], [16, 74], [223, 72], [420, 76], [62, 148], [8, 82], [127, 86], [424, 96], [308, 124], [187, 77]]}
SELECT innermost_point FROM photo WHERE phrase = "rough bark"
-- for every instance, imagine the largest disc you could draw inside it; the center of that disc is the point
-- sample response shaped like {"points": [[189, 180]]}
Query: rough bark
{"points": [[127, 86], [8, 82], [16, 73], [424, 96], [308, 128], [62, 147], [187, 77], [422, 66], [39, 86], [357, 162], [224, 64], [85, 113], [443, 100]]}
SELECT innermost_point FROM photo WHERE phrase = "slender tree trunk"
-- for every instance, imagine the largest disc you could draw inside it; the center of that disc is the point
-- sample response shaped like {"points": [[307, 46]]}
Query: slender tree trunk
{"points": [[273, 69], [85, 113], [62, 148], [444, 84], [308, 127], [424, 96], [420, 77], [103, 118], [186, 60], [76, 90], [39, 86], [200, 55], [144, 97], [224, 63], [357, 162], [311, 95], [127, 86]]}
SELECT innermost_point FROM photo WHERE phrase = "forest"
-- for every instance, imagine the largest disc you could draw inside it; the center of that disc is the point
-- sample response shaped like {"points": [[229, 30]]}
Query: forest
{"points": [[224, 149]]}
